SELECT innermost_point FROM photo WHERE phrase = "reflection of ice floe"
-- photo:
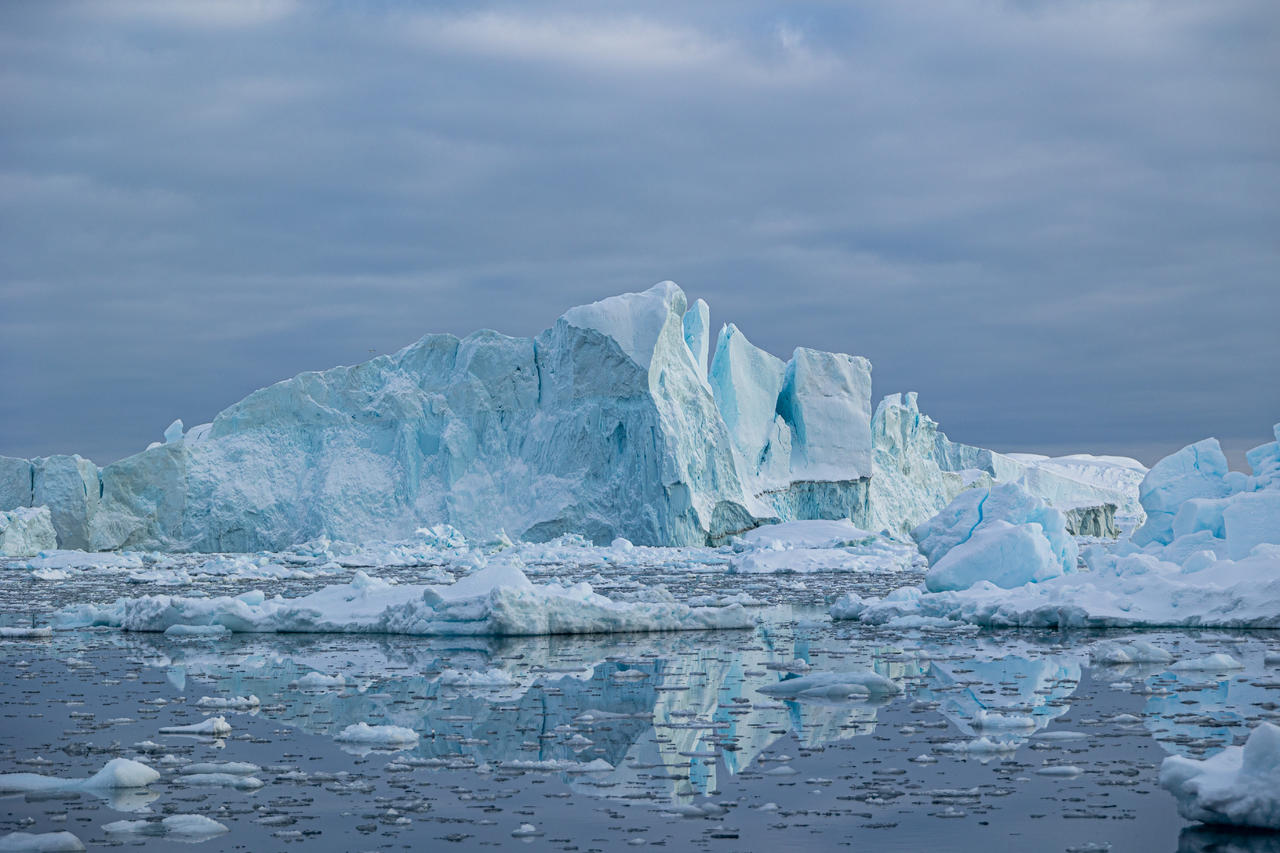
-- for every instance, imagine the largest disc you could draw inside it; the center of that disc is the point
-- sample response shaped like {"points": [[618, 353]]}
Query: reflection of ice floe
{"points": [[1001, 703]]}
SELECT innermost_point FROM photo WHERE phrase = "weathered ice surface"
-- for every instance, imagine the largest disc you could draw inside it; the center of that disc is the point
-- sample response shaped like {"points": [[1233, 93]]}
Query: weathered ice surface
{"points": [[1097, 521], [908, 485], [1002, 535], [26, 531], [605, 425]]}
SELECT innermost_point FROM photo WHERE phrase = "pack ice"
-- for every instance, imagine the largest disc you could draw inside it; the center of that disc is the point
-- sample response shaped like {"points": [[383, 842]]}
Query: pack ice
{"points": [[498, 600], [609, 424]]}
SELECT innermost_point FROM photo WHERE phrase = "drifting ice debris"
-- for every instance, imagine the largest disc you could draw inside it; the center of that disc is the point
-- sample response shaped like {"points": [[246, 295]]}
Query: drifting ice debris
{"points": [[363, 734], [498, 600], [117, 773], [44, 842], [1239, 786]]}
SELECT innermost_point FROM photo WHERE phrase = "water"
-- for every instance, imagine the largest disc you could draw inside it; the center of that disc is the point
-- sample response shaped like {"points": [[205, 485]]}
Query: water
{"points": [[697, 758]]}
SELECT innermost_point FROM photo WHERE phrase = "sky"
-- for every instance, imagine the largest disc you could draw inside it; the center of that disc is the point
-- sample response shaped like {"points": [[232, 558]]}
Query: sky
{"points": [[1058, 222]]}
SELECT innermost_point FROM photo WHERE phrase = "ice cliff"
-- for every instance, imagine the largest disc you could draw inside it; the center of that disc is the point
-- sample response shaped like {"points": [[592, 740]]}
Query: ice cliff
{"points": [[609, 424]]}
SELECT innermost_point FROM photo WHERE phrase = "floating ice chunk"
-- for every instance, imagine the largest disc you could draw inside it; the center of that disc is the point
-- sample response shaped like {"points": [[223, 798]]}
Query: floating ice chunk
{"points": [[7, 633], [1239, 786], [196, 631], [1137, 651], [184, 826], [117, 773], [26, 531], [212, 727], [236, 781], [43, 842], [832, 685], [235, 768], [173, 432], [228, 703], [1216, 662], [366, 735], [498, 600]]}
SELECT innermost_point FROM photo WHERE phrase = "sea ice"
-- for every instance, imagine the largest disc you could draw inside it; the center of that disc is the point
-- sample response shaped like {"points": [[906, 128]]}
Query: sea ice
{"points": [[498, 600]]}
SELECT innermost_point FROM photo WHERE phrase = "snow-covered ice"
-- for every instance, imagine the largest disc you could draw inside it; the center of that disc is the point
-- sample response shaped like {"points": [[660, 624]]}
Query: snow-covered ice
{"points": [[1239, 786]]}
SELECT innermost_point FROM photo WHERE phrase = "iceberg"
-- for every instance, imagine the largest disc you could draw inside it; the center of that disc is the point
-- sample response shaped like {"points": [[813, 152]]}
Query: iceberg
{"points": [[607, 425], [26, 531], [909, 485], [1001, 535], [1239, 786]]}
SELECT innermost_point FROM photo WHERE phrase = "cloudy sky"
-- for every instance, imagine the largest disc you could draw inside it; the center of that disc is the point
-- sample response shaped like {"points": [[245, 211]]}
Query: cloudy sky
{"points": [[1058, 221]]}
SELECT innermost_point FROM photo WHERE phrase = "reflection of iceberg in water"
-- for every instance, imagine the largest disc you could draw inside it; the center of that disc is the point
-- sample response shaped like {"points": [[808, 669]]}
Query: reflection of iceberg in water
{"points": [[1207, 839], [1197, 713], [676, 710], [1007, 699]]}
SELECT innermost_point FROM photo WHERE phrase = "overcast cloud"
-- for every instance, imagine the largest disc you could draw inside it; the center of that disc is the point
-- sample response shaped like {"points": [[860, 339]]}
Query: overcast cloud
{"points": [[1057, 221]]}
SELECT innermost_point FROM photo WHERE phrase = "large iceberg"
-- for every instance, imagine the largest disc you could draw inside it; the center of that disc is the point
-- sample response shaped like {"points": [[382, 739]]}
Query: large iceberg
{"points": [[608, 424]]}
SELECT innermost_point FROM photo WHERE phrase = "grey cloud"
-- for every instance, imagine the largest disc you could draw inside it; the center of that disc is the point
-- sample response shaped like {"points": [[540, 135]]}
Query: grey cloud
{"points": [[1056, 221]]}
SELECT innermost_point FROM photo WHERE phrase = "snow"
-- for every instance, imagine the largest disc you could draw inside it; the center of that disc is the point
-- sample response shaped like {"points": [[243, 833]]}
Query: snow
{"points": [[116, 773], [999, 534], [44, 842], [366, 735], [498, 600], [1239, 786], [26, 531]]}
